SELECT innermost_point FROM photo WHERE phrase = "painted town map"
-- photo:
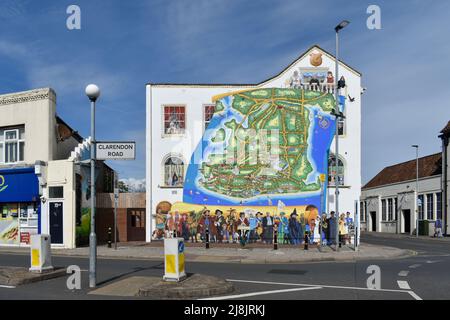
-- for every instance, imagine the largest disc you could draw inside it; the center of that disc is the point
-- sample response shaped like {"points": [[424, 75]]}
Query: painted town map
{"points": [[261, 145]]}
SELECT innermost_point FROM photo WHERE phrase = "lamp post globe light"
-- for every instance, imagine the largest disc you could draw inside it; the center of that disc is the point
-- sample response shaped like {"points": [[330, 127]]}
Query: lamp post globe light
{"points": [[92, 92], [338, 114]]}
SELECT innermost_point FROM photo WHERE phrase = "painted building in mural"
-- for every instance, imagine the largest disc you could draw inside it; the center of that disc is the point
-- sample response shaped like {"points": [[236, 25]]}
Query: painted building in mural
{"points": [[43, 186], [264, 147]]}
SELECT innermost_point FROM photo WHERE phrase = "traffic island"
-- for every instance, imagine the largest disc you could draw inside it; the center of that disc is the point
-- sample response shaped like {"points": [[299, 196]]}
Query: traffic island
{"points": [[193, 287], [15, 276]]}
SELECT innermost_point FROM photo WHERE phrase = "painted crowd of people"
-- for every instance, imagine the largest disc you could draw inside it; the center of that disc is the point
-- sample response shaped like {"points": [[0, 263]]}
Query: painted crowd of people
{"points": [[254, 227]]}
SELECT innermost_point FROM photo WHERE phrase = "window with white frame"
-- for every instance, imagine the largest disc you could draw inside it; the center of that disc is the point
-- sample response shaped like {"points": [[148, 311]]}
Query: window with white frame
{"points": [[173, 172], [174, 119], [332, 170], [12, 144], [208, 112], [390, 209], [430, 206], [395, 208], [383, 209], [438, 205], [420, 204]]}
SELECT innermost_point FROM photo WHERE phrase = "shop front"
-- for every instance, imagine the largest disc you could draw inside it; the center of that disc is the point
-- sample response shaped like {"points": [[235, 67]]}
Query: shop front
{"points": [[19, 206]]}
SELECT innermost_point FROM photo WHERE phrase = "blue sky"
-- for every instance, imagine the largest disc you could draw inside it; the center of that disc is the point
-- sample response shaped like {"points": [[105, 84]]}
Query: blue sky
{"points": [[122, 45]]}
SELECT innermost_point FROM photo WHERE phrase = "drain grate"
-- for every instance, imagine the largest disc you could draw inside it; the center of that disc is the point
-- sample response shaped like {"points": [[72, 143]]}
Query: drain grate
{"points": [[284, 271]]}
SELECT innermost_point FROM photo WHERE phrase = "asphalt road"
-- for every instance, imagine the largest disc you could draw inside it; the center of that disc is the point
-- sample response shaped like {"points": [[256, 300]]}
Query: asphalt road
{"points": [[424, 276]]}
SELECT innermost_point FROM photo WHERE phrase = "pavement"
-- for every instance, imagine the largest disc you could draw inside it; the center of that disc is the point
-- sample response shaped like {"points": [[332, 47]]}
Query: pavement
{"points": [[235, 254]]}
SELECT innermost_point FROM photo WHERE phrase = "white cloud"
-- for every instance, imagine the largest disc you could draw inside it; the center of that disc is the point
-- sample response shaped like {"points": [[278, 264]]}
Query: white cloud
{"points": [[134, 185]]}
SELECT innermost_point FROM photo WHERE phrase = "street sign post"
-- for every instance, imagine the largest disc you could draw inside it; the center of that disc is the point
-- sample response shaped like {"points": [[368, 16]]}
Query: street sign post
{"points": [[115, 150], [116, 201]]}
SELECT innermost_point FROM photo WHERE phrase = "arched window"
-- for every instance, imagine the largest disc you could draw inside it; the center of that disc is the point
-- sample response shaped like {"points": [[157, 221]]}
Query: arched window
{"points": [[332, 170], [173, 172]]}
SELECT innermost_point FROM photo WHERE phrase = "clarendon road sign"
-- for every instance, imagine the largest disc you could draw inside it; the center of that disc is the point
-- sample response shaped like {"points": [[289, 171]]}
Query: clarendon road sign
{"points": [[115, 150]]}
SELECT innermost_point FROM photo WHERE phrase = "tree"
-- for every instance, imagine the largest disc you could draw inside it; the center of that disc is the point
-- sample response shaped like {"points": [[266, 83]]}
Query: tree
{"points": [[123, 187]]}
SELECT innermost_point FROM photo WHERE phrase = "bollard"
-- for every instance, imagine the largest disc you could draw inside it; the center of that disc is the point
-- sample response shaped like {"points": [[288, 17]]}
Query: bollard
{"points": [[340, 242], [275, 239], [109, 237], [41, 257], [207, 238], [174, 259], [305, 247]]}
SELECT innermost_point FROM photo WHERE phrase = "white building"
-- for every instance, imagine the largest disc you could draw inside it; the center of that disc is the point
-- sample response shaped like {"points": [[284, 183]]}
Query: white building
{"points": [[388, 201], [42, 185], [169, 149]]}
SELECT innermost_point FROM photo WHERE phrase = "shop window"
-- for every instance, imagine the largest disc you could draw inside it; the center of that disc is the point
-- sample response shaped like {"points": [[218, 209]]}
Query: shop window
{"points": [[439, 205], [430, 206], [12, 144], [332, 171], [208, 113], [173, 172], [174, 119], [56, 192], [420, 206]]}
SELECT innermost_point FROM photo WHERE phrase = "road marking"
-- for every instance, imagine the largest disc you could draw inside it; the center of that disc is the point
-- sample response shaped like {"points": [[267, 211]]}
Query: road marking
{"points": [[414, 266], [314, 285], [403, 285], [415, 296], [403, 273], [431, 261], [251, 294], [7, 287], [410, 292]]}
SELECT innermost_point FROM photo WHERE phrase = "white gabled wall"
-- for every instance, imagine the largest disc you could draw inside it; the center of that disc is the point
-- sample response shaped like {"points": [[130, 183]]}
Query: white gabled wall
{"points": [[194, 97]]}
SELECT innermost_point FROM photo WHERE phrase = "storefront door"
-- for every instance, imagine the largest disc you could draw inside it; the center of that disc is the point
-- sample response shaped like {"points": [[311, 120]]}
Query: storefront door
{"points": [[56, 221]]}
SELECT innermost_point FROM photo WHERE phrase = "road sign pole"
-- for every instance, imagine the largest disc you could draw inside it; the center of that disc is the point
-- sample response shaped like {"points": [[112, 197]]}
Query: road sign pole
{"points": [[116, 200]]}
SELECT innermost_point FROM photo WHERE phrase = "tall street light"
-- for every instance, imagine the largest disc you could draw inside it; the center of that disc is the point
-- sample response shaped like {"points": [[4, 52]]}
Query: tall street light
{"points": [[93, 92], [338, 114], [417, 189]]}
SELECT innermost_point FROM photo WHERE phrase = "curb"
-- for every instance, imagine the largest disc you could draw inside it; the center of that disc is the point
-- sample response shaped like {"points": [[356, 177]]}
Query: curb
{"points": [[57, 272], [263, 260], [195, 286]]}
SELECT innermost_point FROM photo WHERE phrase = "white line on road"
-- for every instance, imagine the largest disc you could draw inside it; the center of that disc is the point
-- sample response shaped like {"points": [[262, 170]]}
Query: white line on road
{"points": [[7, 287], [314, 285], [415, 296], [413, 266], [431, 261], [251, 294], [403, 285], [403, 273]]}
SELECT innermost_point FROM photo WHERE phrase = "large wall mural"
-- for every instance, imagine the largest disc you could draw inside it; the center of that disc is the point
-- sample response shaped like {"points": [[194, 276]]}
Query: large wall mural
{"points": [[263, 146], [265, 151]]}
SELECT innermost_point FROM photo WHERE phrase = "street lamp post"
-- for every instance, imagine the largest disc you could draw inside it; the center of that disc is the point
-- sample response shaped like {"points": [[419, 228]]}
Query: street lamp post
{"points": [[417, 189], [93, 92], [338, 114]]}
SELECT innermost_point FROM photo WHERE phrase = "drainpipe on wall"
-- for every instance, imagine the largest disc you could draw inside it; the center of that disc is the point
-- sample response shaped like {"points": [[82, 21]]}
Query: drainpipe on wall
{"points": [[444, 185]]}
